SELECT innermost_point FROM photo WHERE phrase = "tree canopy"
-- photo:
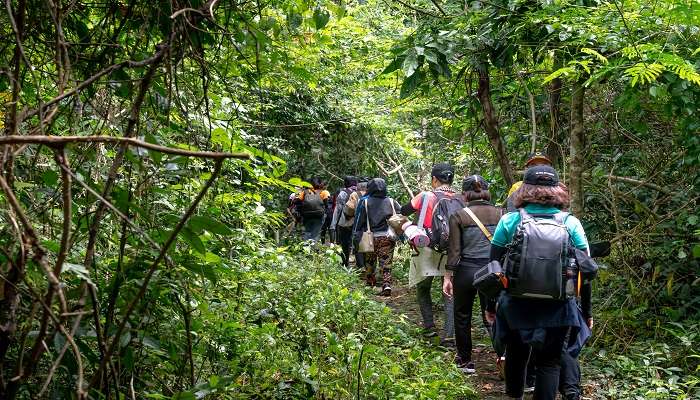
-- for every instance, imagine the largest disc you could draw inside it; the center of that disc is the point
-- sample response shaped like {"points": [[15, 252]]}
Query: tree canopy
{"points": [[148, 150]]}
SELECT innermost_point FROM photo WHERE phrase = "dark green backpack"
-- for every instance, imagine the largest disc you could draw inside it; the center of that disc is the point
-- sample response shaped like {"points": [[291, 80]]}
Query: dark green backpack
{"points": [[312, 205]]}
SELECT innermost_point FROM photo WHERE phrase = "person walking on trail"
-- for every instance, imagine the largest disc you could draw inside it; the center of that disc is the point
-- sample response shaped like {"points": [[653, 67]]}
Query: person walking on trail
{"points": [[328, 216], [341, 225], [429, 263], [373, 214], [471, 230], [349, 212], [535, 315], [533, 160], [312, 205]]}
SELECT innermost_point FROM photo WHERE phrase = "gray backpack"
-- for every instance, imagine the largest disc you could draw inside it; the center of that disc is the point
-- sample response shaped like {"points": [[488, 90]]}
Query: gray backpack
{"points": [[538, 257]]}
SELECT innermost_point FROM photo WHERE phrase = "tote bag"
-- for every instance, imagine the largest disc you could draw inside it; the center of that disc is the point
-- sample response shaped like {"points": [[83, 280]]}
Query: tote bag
{"points": [[366, 244]]}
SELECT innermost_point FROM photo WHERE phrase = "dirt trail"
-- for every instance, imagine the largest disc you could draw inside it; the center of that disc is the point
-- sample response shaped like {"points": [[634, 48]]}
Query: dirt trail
{"points": [[486, 380]]}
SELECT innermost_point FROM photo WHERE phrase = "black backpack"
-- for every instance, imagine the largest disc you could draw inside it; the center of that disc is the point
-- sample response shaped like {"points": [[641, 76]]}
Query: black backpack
{"points": [[538, 261], [444, 207], [312, 205]]}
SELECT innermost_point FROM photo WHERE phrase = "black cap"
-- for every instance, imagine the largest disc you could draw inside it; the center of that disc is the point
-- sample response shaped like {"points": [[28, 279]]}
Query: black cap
{"points": [[541, 175], [444, 172], [474, 183]]}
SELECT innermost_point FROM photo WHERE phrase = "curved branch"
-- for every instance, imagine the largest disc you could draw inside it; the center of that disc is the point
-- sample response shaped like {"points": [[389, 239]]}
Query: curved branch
{"points": [[62, 140]]}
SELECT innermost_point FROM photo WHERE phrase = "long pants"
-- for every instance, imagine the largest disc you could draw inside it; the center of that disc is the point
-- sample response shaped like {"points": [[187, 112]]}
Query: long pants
{"points": [[570, 377], [547, 363], [464, 295], [312, 228], [425, 302], [383, 254], [344, 237]]}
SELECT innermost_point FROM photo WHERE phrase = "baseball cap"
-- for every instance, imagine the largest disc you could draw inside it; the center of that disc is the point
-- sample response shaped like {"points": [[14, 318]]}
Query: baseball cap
{"points": [[444, 172], [541, 175], [537, 156]]}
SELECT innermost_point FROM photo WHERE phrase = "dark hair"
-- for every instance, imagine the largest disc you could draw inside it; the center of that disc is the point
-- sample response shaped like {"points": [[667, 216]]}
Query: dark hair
{"points": [[475, 187], [350, 181], [477, 192], [316, 182], [555, 196]]}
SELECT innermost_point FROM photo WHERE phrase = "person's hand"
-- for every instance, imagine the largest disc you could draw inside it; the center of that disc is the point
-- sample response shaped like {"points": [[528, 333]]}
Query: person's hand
{"points": [[589, 322], [490, 317], [447, 286]]}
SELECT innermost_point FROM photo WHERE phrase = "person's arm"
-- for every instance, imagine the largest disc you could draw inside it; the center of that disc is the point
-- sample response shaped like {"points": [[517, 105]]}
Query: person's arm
{"points": [[407, 209], [339, 205], [497, 253], [586, 302], [413, 205], [454, 249]]}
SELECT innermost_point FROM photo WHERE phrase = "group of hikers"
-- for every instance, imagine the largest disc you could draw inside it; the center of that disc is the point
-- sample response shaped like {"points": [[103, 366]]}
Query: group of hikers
{"points": [[529, 264]]}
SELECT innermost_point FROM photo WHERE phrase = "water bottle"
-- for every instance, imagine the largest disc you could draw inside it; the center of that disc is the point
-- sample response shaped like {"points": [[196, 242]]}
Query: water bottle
{"points": [[571, 277]]}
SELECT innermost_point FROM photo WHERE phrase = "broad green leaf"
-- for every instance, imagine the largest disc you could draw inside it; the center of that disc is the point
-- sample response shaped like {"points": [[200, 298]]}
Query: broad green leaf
{"points": [[50, 178], [193, 240], [202, 222], [410, 63], [321, 17], [411, 83], [77, 269]]}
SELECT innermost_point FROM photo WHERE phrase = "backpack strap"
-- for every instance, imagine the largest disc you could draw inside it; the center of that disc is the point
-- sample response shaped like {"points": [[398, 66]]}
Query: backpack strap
{"points": [[423, 210], [561, 217], [369, 227], [524, 215], [478, 223]]}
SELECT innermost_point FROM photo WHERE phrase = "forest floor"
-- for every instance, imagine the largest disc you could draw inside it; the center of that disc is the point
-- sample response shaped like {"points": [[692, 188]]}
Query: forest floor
{"points": [[486, 380]]}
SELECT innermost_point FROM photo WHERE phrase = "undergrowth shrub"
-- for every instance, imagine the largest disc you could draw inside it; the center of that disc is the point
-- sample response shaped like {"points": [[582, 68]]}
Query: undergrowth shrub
{"points": [[298, 325]]}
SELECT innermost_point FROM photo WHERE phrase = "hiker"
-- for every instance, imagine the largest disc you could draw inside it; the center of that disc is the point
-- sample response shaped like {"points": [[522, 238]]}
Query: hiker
{"points": [[293, 213], [373, 213], [312, 205], [349, 212], [341, 225], [533, 160], [471, 230], [526, 319], [328, 215], [429, 263]]}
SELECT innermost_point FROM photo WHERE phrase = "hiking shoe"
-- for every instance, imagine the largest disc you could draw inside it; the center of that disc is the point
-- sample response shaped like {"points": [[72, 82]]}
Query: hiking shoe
{"points": [[529, 384], [467, 368], [429, 332], [386, 291]]}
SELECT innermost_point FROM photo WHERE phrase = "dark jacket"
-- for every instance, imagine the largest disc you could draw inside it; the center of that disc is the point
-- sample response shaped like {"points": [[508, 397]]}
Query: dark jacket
{"points": [[379, 205], [468, 245]]}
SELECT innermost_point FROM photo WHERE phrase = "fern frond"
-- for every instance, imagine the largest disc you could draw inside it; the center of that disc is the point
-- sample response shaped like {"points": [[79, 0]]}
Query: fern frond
{"points": [[644, 73], [596, 54]]}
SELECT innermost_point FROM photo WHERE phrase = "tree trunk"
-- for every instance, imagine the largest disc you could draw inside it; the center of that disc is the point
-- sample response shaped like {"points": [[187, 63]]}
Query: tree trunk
{"points": [[577, 142], [491, 125], [554, 146]]}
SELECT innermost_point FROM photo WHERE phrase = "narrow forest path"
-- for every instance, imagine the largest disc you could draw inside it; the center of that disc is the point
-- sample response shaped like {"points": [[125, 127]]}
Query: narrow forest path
{"points": [[486, 380]]}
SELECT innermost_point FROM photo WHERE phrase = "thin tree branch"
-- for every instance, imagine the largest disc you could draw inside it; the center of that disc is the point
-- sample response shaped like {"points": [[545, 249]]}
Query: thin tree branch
{"points": [[60, 140], [154, 266]]}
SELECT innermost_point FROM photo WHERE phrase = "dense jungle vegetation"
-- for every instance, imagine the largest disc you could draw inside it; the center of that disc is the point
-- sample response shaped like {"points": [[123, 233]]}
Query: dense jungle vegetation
{"points": [[148, 149]]}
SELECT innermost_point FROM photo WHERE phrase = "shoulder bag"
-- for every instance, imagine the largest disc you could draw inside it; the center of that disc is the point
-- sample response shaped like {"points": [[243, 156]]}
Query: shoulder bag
{"points": [[366, 244]]}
